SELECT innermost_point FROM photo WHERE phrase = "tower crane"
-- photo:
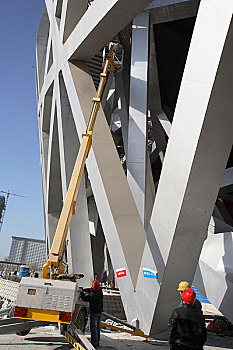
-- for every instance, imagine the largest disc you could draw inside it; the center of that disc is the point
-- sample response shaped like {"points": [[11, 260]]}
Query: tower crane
{"points": [[3, 204]]}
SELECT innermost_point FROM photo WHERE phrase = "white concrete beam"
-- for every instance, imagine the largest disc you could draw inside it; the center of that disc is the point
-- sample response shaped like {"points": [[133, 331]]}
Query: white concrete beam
{"points": [[137, 129], [99, 24]]}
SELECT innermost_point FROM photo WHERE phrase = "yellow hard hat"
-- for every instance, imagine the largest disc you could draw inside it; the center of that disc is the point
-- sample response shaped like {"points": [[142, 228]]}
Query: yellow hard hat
{"points": [[183, 286], [5, 268]]}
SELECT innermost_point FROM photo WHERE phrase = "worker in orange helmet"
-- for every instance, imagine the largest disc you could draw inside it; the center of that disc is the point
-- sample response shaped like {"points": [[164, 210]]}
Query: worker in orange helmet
{"points": [[187, 329], [95, 298], [183, 285]]}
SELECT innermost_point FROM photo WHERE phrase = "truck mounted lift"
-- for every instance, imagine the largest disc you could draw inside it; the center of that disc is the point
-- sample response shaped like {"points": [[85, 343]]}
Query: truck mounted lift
{"points": [[55, 298]]}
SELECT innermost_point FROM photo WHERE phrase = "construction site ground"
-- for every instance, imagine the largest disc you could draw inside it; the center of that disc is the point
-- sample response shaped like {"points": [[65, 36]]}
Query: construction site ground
{"points": [[48, 338]]}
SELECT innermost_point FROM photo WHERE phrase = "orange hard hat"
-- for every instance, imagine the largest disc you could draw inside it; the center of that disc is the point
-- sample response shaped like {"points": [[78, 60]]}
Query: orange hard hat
{"points": [[189, 296], [95, 285]]}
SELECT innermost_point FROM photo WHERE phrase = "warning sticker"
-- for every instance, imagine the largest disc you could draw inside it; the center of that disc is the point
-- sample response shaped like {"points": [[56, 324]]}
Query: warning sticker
{"points": [[121, 272], [148, 273]]}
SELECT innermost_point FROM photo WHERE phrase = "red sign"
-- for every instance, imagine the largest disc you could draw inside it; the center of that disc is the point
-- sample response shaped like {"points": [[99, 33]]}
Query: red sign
{"points": [[121, 272]]}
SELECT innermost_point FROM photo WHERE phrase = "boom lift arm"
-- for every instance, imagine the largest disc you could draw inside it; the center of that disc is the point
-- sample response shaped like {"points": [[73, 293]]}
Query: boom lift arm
{"points": [[54, 265], [58, 301]]}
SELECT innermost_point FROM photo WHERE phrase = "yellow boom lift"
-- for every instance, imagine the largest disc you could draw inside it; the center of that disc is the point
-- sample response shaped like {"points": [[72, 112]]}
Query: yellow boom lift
{"points": [[54, 264], [52, 298]]}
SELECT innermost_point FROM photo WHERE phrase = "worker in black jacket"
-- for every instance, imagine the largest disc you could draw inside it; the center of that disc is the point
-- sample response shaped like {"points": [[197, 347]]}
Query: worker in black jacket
{"points": [[187, 329], [95, 297]]}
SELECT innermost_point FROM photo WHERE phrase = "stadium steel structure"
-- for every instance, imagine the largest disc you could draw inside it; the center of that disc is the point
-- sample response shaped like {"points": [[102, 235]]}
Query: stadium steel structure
{"points": [[155, 204]]}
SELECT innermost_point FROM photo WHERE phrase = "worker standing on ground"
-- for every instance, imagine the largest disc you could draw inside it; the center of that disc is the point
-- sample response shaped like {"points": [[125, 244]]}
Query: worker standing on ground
{"points": [[95, 297], [4, 274], [181, 288], [187, 329]]}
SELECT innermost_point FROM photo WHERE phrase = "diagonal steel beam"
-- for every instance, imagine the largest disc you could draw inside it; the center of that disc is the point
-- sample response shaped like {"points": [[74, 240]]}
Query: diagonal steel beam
{"points": [[101, 22], [121, 222]]}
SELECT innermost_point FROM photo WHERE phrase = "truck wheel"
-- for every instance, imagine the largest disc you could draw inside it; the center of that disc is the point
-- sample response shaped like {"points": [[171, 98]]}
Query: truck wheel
{"points": [[81, 320], [23, 333], [62, 327]]}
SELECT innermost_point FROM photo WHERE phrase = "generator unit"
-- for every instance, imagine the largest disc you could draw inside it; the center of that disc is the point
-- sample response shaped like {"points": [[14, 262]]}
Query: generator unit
{"points": [[47, 300]]}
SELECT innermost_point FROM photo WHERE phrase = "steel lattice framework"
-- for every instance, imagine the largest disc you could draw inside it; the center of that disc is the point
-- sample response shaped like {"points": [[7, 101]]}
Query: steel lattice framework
{"points": [[154, 190]]}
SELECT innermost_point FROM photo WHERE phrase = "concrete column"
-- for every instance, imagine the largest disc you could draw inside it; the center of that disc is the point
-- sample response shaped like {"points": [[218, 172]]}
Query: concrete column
{"points": [[137, 132]]}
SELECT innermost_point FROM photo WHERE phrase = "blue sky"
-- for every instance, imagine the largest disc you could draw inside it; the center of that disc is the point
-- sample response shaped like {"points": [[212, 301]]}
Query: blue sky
{"points": [[19, 143]]}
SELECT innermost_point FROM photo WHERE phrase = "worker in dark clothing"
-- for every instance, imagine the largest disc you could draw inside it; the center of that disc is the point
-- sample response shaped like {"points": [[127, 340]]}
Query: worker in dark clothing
{"points": [[181, 288], [95, 297], [187, 329]]}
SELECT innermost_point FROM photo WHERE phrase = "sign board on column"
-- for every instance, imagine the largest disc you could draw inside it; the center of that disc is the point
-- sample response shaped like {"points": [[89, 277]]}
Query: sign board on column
{"points": [[121, 272], [148, 273]]}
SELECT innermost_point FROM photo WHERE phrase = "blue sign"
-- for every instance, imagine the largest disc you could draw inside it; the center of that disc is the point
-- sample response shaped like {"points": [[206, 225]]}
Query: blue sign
{"points": [[148, 273]]}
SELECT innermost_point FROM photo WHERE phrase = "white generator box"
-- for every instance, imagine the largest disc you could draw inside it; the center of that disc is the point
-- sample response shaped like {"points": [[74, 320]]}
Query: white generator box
{"points": [[45, 294]]}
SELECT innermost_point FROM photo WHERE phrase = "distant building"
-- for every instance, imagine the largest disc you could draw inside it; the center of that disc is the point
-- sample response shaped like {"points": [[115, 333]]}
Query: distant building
{"points": [[28, 251]]}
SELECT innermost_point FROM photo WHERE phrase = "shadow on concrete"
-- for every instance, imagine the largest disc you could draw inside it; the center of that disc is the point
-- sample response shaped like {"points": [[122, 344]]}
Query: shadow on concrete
{"points": [[23, 344], [65, 347], [155, 251], [219, 342], [121, 343], [159, 343], [45, 339]]}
